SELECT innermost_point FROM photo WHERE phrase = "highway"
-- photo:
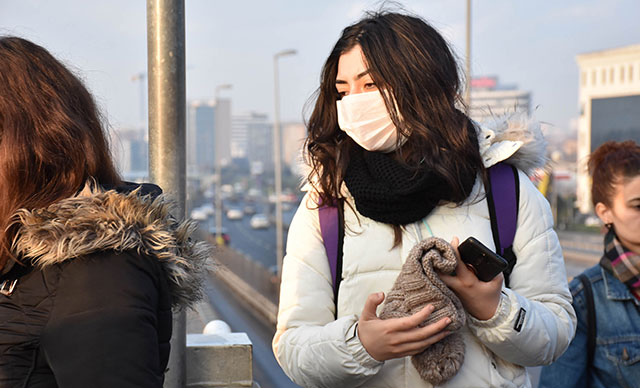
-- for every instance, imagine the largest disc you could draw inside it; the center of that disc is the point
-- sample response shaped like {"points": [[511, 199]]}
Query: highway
{"points": [[258, 244]]}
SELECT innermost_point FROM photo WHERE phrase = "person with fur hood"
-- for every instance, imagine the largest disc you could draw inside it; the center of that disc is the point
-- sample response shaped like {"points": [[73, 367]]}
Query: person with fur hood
{"points": [[389, 147], [90, 266]]}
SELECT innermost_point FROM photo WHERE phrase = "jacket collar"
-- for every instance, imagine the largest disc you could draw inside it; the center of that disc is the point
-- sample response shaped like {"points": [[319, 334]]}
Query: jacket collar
{"points": [[615, 289]]}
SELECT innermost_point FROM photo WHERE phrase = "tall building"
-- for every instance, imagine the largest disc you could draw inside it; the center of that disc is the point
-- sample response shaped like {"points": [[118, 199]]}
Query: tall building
{"points": [[260, 145], [240, 124], [251, 139], [609, 102], [293, 136], [208, 134], [222, 129], [200, 136], [490, 98], [131, 152]]}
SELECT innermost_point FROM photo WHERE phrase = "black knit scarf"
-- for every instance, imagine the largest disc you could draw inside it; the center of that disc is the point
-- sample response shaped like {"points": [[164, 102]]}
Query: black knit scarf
{"points": [[386, 191]]}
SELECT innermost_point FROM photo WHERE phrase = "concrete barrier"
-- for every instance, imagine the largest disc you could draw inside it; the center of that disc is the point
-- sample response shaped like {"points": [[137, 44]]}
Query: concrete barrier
{"points": [[261, 305], [219, 360]]}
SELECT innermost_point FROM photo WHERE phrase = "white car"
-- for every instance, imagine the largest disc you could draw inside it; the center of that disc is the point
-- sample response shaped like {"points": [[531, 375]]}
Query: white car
{"points": [[208, 209], [198, 214], [259, 221], [234, 214]]}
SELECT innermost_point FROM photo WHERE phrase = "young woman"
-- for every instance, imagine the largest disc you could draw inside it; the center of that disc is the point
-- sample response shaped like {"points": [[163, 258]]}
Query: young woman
{"points": [[614, 282], [89, 266], [386, 137]]}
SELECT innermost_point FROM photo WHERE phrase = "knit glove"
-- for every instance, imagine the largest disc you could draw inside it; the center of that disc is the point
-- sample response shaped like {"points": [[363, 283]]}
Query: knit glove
{"points": [[418, 285]]}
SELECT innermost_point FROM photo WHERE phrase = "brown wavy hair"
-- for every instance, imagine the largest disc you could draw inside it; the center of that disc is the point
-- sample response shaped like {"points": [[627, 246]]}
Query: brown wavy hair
{"points": [[51, 135], [408, 57], [609, 165]]}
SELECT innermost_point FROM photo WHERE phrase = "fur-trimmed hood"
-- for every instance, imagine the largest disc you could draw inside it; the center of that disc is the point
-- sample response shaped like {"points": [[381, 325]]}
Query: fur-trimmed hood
{"points": [[515, 138], [97, 220]]}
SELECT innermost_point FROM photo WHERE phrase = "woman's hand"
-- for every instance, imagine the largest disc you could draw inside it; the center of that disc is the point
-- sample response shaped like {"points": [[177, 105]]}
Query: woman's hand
{"points": [[385, 339], [480, 299]]}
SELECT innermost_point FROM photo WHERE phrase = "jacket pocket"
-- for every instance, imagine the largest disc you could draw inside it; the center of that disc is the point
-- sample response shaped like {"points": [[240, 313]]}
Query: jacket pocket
{"points": [[624, 351], [624, 354]]}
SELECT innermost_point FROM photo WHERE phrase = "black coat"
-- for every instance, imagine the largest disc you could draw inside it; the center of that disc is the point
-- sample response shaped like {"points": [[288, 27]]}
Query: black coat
{"points": [[94, 308]]}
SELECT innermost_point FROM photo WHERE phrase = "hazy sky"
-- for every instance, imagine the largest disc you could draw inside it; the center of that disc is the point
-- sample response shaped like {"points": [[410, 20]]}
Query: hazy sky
{"points": [[529, 43]]}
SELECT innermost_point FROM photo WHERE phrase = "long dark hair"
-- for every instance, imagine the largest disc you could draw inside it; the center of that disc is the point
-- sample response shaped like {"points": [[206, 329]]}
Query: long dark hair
{"points": [[51, 136], [411, 59]]}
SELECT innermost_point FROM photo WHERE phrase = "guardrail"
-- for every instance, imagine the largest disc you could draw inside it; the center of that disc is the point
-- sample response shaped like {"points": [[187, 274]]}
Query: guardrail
{"points": [[250, 280]]}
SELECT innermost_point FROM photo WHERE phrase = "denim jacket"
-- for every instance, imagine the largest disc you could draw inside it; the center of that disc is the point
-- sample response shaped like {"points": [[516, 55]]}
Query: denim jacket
{"points": [[616, 360]]}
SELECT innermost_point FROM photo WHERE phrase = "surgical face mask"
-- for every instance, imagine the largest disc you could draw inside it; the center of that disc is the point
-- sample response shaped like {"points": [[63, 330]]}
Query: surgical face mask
{"points": [[364, 117]]}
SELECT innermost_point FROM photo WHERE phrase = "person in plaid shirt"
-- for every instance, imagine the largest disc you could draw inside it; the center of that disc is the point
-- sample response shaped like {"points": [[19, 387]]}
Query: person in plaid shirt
{"points": [[613, 359]]}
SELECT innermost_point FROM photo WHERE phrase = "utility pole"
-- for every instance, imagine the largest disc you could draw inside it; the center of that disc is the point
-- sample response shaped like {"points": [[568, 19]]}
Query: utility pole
{"points": [[167, 134]]}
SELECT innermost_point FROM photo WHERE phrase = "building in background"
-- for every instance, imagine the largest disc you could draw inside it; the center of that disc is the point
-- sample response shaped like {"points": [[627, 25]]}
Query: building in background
{"points": [[200, 138], [260, 145], [240, 127], [293, 136], [251, 140], [130, 149], [609, 103], [222, 129], [208, 135], [490, 98]]}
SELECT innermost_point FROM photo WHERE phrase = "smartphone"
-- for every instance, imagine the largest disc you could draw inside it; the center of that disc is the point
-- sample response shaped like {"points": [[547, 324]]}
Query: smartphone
{"points": [[484, 262]]}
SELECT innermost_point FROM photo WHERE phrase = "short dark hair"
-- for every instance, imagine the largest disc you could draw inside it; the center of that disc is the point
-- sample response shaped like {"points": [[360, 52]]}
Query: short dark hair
{"points": [[411, 59], [51, 135], [610, 164]]}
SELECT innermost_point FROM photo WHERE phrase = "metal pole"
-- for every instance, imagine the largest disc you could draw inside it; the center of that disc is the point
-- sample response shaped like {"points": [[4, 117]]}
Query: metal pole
{"points": [[219, 239], [167, 121], [467, 93], [142, 77], [216, 135], [277, 166], [277, 159]]}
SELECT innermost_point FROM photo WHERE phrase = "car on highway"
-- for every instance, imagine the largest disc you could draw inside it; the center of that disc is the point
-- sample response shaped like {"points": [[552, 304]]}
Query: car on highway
{"points": [[234, 214], [249, 210], [199, 214], [208, 209], [259, 221]]}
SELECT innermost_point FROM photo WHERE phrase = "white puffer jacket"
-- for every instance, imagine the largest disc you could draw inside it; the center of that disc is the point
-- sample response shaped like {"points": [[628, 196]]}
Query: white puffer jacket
{"points": [[317, 350]]}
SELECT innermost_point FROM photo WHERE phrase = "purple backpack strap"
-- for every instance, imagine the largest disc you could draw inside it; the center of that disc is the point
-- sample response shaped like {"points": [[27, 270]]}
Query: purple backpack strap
{"points": [[332, 230], [503, 196], [329, 229]]}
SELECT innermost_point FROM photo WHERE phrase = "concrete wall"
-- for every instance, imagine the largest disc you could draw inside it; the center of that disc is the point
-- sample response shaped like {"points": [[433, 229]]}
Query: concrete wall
{"points": [[219, 360]]}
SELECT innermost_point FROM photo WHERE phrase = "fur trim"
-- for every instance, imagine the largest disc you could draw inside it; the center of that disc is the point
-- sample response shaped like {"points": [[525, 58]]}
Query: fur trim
{"points": [[515, 138], [97, 220]]}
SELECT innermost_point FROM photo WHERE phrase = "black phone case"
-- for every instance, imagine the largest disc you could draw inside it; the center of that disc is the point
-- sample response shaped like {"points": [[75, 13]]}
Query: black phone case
{"points": [[485, 262]]}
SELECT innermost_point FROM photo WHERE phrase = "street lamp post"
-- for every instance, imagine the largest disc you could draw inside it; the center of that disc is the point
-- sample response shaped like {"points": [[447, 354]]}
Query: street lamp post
{"points": [[216, 135], [467, 93], [277, 158]]}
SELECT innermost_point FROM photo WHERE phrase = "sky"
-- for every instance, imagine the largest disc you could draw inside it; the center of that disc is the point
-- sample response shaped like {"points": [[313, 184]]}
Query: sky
{"points": [[531, 44]]}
